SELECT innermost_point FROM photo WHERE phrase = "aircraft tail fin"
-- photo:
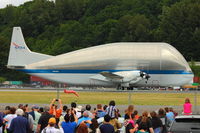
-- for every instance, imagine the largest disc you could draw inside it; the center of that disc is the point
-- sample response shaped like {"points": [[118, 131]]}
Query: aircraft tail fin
{"points": [[19, 54]]}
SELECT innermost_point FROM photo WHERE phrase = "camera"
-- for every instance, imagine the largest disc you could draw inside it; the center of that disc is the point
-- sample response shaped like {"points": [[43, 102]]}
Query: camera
{"points": [[56, 99]]}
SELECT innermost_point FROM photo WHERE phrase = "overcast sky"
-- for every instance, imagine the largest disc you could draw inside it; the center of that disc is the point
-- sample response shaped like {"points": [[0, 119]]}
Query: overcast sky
{"points": [[3, 3]]}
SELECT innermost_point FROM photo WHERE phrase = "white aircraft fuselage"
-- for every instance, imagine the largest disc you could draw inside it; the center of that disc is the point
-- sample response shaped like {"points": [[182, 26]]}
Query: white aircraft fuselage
{"points": [[125, 64]]}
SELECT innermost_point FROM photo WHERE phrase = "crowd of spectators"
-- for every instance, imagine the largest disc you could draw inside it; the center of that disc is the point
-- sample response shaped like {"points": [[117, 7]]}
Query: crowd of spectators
{"points": [[57, 118]]}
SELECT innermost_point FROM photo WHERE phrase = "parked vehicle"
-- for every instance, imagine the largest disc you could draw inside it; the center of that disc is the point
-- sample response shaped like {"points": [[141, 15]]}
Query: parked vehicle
{"points": [[186, 124]]}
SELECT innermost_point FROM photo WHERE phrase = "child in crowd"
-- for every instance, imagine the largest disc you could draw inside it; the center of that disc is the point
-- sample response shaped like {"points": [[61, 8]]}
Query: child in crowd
{"points": [[187, 107]]}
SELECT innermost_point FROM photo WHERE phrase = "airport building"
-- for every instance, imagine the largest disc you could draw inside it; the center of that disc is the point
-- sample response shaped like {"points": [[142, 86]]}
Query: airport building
{"points": [[34, 80]]}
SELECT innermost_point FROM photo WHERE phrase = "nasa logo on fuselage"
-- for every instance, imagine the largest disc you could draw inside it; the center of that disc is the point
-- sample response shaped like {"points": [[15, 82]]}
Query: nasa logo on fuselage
{"points": [[18, 46]]}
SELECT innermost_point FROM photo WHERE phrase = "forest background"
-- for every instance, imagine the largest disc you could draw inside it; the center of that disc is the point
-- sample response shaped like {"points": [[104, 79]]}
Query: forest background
{"points": [[66, 25]]}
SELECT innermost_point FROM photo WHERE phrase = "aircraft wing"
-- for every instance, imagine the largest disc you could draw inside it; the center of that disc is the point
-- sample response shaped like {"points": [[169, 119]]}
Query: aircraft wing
{"points": [[110, 75], [121, 76]]}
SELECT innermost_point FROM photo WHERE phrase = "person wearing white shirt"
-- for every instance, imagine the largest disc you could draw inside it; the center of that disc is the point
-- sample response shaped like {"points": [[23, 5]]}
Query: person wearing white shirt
{"points": [[9, 117]]}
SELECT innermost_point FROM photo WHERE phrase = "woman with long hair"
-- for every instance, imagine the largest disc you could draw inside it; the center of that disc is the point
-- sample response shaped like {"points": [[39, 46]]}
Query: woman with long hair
{"points": [[187, 107], [129, 120], [163, 118], [144, 124], [156, 122]]}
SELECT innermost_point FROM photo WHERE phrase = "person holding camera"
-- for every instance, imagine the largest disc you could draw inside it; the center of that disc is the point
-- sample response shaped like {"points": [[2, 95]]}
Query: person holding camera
{"points": [[56, 110], [70, 123]]}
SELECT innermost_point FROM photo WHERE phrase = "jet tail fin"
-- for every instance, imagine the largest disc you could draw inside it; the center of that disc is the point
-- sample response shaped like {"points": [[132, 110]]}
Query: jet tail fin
{"points": [[19, 54]]}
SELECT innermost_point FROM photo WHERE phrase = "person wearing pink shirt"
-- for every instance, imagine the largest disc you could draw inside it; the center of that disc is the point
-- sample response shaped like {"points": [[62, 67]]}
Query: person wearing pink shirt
{"points": [[187, 107]]}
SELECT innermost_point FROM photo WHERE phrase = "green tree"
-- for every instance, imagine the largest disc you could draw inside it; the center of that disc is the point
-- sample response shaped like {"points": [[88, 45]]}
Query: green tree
{"points": [[179, 26], [2, 79]]}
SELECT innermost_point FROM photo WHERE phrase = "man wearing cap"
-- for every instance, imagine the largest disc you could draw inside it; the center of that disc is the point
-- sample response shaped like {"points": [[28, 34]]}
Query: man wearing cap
{"points": [[20, 123], [51, 127]]}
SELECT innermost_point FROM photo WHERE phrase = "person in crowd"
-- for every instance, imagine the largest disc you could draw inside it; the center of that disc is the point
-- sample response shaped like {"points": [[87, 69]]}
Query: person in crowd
{"points": [[5, 112], [82, 128], [105, 107], [106, 127], [100, 112], [163, 118], [175, 113], [56, 110], [136, 115], [20, 106], [112, 112], [170, 114], [67, 125], [43, 120], [41, 110], [129, 112], [118, 113], [64, 112], [51, 127], [88, 108], [25, 108], [9, 117], [144, 124], [1, 121], [79, 111], [86, 119], [36, 115], [94, 126], [187, 107], [129, 120], [156, 122], [28, 117], [19, 124]]}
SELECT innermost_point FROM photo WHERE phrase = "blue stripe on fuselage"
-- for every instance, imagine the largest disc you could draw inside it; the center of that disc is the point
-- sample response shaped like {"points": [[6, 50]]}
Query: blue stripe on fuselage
{"points": [[98, 71]]}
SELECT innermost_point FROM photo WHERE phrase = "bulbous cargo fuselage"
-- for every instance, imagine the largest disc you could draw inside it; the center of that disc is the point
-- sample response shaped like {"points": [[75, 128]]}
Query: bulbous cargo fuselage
{"points": [[165, 65]]}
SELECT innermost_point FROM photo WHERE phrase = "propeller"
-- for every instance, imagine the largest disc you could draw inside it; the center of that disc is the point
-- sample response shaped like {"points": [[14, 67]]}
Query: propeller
{"points": [[144, 76]]}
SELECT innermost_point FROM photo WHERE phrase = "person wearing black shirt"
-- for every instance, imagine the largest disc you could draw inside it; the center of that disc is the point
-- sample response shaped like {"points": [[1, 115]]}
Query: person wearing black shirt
{"points": [[156, 122], [44, 119], [144, 123]]}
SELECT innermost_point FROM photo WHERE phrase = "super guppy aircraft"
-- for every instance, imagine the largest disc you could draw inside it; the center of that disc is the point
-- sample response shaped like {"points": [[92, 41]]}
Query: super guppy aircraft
{"points": [[123, 64]]}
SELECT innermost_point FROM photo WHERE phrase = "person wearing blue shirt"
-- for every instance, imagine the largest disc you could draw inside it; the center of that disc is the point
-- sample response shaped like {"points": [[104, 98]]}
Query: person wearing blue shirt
{"points": [[170, 115], [68, 125], [100, 112], [20, 123], [86, 119]]}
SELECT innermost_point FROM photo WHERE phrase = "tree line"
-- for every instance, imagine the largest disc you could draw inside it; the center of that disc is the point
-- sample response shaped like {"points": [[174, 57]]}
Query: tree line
{"points": [[66, 25]]}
